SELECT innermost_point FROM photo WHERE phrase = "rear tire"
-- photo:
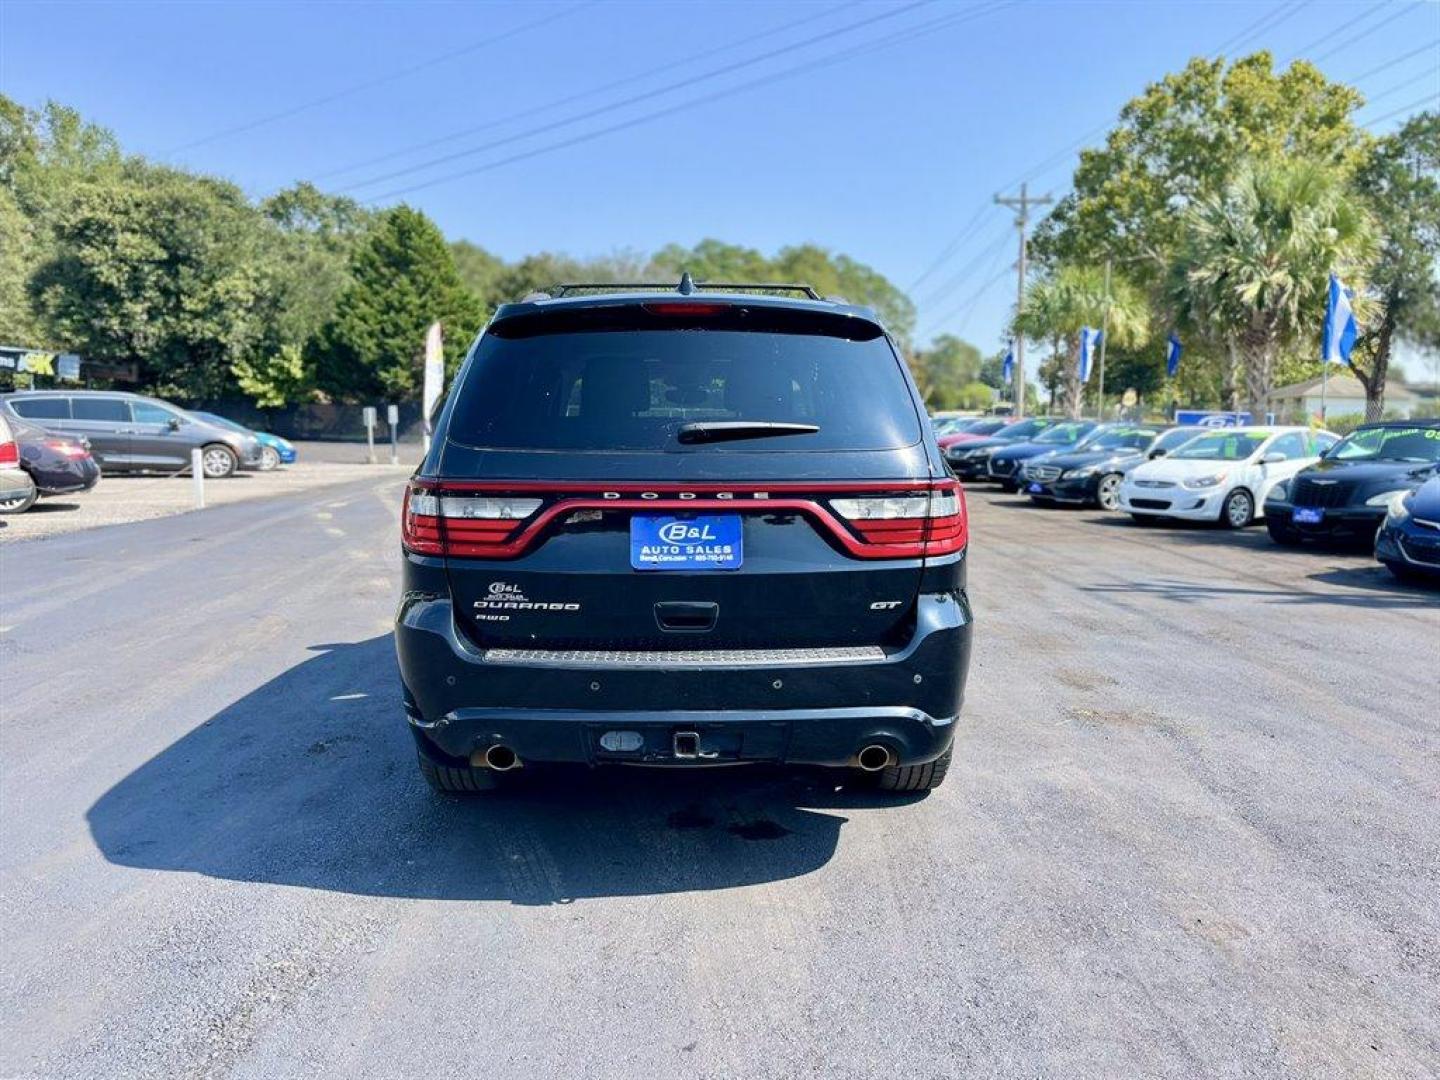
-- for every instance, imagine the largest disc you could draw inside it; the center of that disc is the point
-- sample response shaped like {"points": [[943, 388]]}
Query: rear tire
{"points": [[21, 503], [926, 777], [455, 779], [1282, 534]]}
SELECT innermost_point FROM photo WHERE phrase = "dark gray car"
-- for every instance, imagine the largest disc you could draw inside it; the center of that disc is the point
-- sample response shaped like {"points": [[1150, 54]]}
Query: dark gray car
{"points": [[134, 433]]}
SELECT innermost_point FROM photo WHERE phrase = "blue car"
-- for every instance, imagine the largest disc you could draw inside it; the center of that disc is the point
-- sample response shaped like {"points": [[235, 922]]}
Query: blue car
{"points": [[274, 451], [1408, 542]]}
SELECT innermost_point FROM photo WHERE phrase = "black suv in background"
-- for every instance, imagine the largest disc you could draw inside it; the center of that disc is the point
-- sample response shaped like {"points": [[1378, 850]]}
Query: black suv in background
{"points": [[682, 529], [1091, 475], [1345, 495]]}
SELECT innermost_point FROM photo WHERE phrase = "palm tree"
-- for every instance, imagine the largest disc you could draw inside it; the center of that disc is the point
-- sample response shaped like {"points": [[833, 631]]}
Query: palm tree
{"points": [[1057, 305], [1258, 256]]}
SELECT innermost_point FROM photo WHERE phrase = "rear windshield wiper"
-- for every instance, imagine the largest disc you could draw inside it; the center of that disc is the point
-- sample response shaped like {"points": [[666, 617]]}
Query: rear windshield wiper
{"points": [[706, 431]]}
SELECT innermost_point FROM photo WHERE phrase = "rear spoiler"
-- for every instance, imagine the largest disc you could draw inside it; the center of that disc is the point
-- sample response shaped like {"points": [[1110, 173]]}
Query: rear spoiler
{"points": [[670, 312]]}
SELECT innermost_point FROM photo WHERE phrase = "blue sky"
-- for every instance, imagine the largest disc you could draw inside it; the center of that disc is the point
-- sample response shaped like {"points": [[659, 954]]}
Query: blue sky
{"points": [[887, 151]]}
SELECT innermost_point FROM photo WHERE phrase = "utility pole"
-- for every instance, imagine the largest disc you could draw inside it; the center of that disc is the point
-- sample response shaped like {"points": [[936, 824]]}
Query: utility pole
{"points": [[1104, 335], [1021, 206]]}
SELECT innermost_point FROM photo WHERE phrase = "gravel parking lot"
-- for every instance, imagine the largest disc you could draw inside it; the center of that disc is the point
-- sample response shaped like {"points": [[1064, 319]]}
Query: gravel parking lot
{"points": [[1193, 829]]}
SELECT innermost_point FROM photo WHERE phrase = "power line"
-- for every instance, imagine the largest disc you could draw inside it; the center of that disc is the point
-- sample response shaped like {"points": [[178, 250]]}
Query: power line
{"points": [[592, 92], [1361, 36], [1433, 96], [391, 76], [685, 106], [1323, 38], [1245, 31], [1398, 87], [949, 249], [668, 88], [1388, 64], [1281, 14], [964, 273]]}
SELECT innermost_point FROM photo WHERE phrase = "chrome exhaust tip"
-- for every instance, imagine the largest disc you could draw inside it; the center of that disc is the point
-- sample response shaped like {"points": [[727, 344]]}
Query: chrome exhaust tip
{"points": [[499, 758], [874, 757]]}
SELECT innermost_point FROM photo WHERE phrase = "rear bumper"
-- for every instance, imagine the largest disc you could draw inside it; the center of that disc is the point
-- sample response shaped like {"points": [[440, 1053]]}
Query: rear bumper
{"points": [[817, 713]]}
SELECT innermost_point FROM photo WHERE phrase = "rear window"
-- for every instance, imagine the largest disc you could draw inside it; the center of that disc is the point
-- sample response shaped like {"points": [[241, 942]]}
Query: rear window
{"points": [[630, 383], [42, 408]]}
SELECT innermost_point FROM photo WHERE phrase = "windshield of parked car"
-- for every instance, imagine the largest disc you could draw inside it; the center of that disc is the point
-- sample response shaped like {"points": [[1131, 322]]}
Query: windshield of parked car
{"points": [[1063, 434], [219, 421], [952, 425], [986, 427], [1222, 446], [1119, 439], [1410, 444], [1021, 429]]}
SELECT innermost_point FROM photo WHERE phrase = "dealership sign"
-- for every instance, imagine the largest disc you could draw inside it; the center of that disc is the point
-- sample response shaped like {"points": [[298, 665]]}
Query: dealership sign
{"points": [[1211, 418]]}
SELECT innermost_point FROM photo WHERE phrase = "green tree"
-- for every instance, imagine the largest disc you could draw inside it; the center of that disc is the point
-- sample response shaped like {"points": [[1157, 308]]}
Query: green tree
{"points": [[1058, 304], [1183, 140], [1259, 254], [1400, 182], [944, 369], [403, 278], [158, 268]]}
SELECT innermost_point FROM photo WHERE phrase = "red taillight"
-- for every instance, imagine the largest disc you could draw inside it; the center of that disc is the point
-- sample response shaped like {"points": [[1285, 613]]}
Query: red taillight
{"points": [[918, 523], [67, 448], [9, 455], [433, 523]]}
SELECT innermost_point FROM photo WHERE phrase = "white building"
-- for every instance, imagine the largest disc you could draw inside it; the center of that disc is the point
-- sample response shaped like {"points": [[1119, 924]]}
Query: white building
{"points": [[1343, 397]]}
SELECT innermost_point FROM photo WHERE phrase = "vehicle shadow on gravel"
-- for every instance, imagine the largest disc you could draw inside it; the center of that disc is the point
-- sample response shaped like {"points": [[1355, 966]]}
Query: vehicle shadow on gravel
{"points": [[310, 780]]}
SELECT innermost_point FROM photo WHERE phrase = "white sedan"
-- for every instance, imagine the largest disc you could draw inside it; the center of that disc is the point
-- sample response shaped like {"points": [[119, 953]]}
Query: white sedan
{"points": [[1223, 475]]}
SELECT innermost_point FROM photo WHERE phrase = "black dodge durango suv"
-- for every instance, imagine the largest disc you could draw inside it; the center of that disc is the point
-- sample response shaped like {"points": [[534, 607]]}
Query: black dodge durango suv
{"points": [[695, 527]]}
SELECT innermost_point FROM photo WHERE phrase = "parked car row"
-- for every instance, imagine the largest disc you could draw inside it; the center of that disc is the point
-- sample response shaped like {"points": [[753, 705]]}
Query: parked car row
{"points": [[64, 439], [1380, 484]]}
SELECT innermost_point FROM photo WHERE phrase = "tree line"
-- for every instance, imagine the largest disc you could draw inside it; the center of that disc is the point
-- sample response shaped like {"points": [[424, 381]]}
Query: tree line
{"points": [[301, 296], [1223, 199]]}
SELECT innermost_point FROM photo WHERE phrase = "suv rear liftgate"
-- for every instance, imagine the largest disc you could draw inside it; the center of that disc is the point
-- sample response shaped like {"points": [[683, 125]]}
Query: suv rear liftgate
{"points": [[672, 531]]}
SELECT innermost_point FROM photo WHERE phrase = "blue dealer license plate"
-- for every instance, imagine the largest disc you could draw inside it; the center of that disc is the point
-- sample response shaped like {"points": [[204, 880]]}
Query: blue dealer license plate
{"points": [[693, 543], [1035, 489], [1307, 515]]}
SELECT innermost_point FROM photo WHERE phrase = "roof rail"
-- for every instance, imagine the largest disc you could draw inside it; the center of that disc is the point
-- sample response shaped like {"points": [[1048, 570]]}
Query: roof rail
{"points": [[568, 288]]}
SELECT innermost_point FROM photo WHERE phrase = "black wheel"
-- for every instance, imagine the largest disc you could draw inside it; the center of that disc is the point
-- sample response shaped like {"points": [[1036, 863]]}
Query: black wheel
{"points": [[1144, 519], [1283, 534], [1107, 492], [218, 461], [925, 777], [18, 504], [269, 459], [455, 779], [1238, 509]]}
